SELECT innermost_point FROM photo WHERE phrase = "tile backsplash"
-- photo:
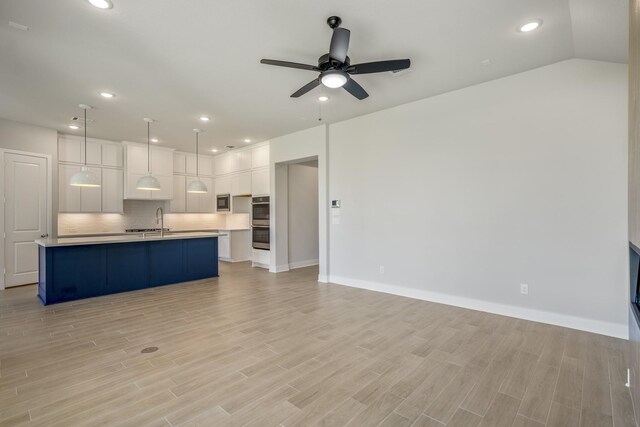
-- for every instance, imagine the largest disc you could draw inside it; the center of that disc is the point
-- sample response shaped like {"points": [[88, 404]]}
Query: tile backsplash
{"points": [[142, 214]]}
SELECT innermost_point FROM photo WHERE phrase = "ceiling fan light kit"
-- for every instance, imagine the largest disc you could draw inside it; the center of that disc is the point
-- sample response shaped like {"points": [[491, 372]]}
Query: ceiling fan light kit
{"points": [[335, 67]]}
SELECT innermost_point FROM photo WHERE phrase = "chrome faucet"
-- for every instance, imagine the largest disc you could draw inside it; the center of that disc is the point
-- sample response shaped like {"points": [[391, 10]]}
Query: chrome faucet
{"points": [[160, 220]]}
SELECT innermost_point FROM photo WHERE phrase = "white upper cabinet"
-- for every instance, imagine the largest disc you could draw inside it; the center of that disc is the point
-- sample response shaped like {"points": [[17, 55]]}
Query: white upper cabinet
{"points": [[260, 185], [77, 199], [137, 164], [136, 159], [70, 149], [222, 164], [105, 159], [185, 164], [112, 190], [242, 160], [179, 163], [177, 204], [68, 196], [191, 164], [161, 161], [112, 155], [94, 152], [99, 152], [205, 164], [260, 156], [200, 202], [241, 184], [223, 185]]}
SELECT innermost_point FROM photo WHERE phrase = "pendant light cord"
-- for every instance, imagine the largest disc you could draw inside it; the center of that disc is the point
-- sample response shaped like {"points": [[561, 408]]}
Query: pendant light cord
{"points": [[85, 137], [197, 158], [148, 150]]}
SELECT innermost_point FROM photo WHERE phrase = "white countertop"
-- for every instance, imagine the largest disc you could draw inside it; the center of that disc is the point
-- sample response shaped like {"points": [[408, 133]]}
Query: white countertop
{"points": [[77, 241], [172, 231]]}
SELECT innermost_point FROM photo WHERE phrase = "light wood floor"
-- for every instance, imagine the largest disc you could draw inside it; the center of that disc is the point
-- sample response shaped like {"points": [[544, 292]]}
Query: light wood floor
{"points": [[254, 348]]}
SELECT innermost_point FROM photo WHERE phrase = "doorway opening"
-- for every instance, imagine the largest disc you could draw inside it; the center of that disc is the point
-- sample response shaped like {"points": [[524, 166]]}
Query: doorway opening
{"points": [[297, 214]]}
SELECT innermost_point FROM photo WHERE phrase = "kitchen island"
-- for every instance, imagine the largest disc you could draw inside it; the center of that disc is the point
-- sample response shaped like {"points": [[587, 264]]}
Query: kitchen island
{"points": [[84, 267]]}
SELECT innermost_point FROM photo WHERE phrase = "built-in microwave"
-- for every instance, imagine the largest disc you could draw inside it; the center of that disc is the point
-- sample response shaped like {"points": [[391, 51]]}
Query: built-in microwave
{"points": [[223, 203]]}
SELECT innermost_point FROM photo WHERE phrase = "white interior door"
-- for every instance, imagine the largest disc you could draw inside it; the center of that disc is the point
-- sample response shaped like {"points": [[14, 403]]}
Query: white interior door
{"points": [[25, 216]]}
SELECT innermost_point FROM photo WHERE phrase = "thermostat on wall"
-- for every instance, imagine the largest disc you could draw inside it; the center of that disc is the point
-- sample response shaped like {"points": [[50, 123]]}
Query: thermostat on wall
{"points": [[335, 204]]}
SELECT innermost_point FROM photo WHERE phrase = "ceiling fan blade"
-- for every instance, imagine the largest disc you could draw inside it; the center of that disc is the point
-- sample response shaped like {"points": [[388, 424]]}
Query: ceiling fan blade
{"points": [[339, 44], [289, 64], [355, 89], [306, 88], [379, 66]]}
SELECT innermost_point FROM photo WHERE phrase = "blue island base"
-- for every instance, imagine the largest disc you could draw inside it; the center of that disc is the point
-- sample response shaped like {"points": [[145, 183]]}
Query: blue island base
{"points": [[68, 273]]}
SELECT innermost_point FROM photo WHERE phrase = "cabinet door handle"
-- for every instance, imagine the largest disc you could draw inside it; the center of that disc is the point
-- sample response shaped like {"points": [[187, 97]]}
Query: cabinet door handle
{"points": [[44, 235]]}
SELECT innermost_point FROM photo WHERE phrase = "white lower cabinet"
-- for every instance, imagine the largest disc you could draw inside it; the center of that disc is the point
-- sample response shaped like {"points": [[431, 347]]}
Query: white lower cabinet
{"points": [[224, 249], [235, 246], [77, 199], [261, 258]]}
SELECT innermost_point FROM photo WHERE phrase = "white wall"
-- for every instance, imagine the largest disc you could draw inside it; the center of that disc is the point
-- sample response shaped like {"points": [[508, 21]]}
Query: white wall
{"points": [[464, 196], [304, 145], [303, 214]]}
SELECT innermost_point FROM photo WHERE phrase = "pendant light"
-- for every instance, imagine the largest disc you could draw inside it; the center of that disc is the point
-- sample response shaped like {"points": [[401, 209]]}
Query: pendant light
{"points": [[84, 178], [197, 186], [148, 182]]}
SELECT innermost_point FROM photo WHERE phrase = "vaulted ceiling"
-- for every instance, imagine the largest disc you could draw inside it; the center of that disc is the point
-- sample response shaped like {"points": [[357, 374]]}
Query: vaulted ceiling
{"points": [[177, 60]]}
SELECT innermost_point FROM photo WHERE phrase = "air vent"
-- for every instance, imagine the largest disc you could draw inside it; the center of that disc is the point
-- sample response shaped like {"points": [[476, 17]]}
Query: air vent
{"points": [[80, 119]]}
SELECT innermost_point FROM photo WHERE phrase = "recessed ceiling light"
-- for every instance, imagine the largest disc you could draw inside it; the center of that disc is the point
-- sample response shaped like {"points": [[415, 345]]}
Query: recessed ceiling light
{"points": [[214, 150], [154, 139], [247, 140], [106, 94], [205, 118], [101, 4], [74, 127], [530, 25], [323, 98]]}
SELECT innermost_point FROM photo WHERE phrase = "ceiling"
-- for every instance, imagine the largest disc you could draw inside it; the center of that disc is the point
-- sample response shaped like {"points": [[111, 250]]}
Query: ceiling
{"points": [[177, 60]]}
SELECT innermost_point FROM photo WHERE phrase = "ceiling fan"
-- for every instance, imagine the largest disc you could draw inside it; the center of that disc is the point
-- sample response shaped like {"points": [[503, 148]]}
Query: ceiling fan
{"points": [[335, 68]]}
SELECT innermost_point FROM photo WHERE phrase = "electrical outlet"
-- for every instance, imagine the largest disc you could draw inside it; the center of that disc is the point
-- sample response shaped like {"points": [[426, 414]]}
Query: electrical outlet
{"points": [[382, 269], [524, 289]]}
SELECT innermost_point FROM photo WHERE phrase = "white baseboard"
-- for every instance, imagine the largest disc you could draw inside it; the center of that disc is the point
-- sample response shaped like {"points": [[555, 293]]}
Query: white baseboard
{"points": [[233, 260], [279, 268], [260, 265], [301, 264], [590, 325], [323, 278]]}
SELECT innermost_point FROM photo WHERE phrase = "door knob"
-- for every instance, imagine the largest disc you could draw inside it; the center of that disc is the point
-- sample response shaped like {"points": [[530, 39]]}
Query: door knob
{"points": [[44, 235]]}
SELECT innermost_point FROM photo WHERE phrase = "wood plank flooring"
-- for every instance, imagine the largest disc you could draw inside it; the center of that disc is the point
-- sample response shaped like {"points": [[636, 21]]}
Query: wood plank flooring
{"points": [[253, 348]]}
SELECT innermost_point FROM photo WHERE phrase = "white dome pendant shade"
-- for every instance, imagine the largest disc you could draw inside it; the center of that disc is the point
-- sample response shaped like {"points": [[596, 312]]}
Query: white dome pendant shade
{"points": [[197, 186], [84, 178], [148, 182]]}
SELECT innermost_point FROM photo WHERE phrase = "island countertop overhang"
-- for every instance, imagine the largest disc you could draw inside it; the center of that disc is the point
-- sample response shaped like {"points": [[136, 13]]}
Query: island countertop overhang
{"points": [[80, 241]]}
